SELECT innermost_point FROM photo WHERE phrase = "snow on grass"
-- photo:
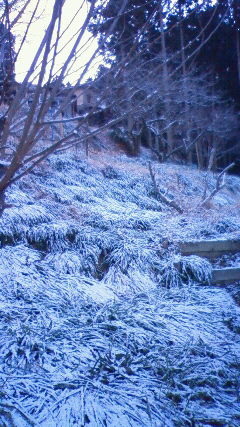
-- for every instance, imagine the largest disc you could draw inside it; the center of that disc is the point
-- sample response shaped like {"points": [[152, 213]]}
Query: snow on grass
{"points": [[146, 361], [52, 237], [102, 325], [83, 261], [179, 270], [15, 221]]}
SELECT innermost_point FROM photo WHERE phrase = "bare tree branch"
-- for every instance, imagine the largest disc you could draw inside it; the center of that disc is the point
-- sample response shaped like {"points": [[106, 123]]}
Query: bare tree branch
{"points": [[163, 198], [220, 183]]}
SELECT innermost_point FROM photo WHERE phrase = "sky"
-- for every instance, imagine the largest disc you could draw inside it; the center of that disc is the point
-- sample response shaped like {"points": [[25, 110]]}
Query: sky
{"points": [[38, 29]]}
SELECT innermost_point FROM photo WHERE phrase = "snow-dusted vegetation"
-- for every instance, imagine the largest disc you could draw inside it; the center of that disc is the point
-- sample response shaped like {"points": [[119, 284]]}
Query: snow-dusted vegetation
{"points": [[103, 322]]}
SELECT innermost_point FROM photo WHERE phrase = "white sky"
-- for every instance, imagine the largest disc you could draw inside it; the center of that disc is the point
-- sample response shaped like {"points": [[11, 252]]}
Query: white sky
{"points": [[38, 29]]}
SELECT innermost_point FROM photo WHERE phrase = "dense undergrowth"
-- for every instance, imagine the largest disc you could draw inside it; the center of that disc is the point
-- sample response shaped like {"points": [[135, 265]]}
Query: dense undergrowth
{"points": [[103, 322]]}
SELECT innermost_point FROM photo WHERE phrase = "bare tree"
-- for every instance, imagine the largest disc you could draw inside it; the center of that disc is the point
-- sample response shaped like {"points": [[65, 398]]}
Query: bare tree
{"points": [[27, 116], [208, 127], [145, 95]]}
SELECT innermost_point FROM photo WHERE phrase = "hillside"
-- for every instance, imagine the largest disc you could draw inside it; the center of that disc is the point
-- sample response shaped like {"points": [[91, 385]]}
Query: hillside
{"points": [[98, 325]]}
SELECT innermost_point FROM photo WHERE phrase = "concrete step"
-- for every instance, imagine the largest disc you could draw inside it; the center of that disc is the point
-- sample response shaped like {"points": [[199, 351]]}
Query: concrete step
{"points": [[213, 249], [209, 248], [225, 276]]}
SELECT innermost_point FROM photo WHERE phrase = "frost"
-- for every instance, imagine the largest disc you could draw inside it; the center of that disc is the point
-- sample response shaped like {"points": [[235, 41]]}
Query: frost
{"points": [[196, 268], [52, 237], [101, 324], [71, 262], [129, 253], [180, 270], [15, 222]]}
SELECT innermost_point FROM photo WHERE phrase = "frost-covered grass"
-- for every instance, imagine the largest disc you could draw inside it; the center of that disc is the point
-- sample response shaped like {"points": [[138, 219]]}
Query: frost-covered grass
{"points": [[179, 270], [164, 357], [101, 322]]}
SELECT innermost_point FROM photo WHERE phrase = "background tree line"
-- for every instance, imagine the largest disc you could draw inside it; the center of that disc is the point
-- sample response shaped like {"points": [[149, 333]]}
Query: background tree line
{"points": [[174, 67]]}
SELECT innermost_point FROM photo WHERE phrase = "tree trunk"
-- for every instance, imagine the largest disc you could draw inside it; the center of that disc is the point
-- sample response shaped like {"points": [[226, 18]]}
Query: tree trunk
{"points": [[2, 203], [198, 148], [166, 84], [238, 53], [149, 138], [186, 125], [137, 140]]}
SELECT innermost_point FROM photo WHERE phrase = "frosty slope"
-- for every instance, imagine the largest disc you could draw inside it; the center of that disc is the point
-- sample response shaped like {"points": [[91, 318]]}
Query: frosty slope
{"points": [[98, 326]]}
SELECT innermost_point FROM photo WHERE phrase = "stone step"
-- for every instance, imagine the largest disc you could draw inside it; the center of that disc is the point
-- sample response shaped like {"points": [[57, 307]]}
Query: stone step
{"points": [[209, 248]]}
